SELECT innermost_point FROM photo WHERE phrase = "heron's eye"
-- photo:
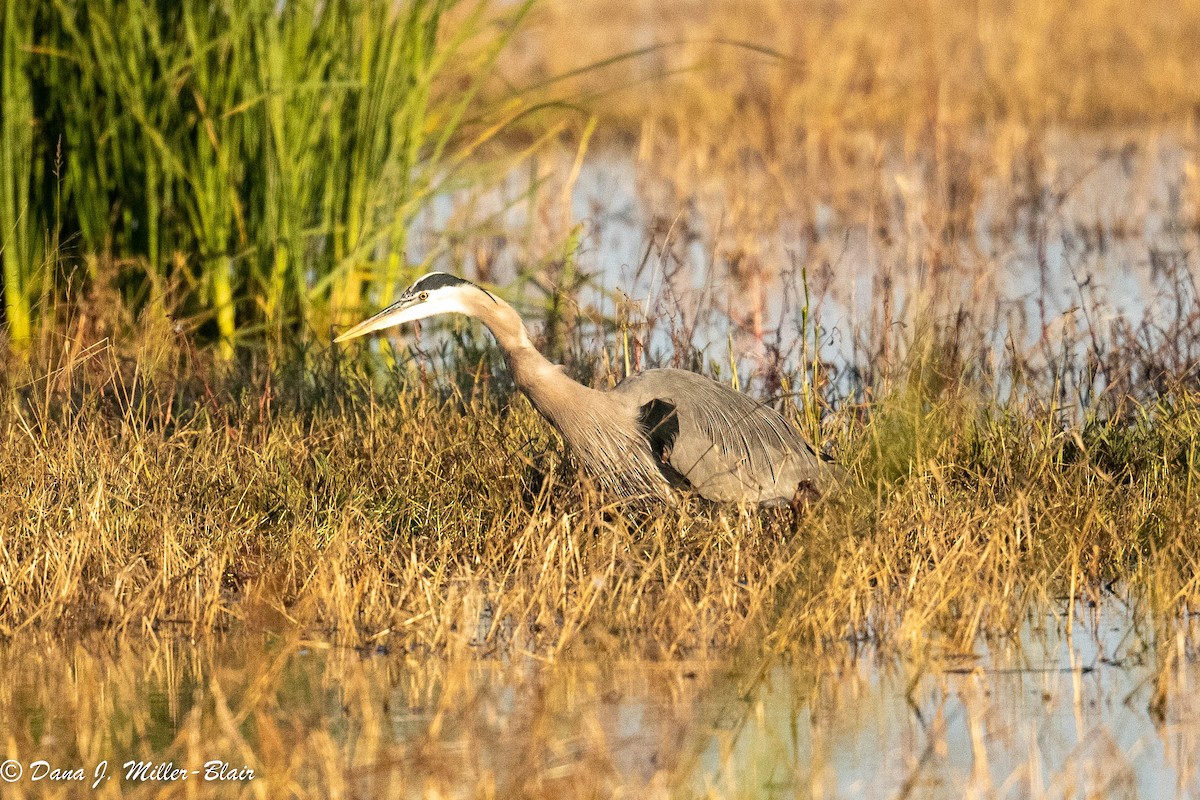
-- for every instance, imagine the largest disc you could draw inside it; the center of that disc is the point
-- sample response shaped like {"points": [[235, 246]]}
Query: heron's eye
{"points": [[423, 296]]}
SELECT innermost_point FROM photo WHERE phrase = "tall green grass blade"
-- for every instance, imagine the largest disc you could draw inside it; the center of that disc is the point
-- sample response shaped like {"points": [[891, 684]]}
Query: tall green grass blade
{"points": [[265, 160], [18, 215]]}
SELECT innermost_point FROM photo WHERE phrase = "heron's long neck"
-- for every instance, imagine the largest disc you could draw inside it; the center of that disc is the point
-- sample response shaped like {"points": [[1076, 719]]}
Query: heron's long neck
{"points": [[598, 426], [552, 392]]}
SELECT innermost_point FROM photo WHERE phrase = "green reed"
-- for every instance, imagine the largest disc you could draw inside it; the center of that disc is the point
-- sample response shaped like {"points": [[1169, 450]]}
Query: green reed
{"points": [[260, 162], [17, 219]]}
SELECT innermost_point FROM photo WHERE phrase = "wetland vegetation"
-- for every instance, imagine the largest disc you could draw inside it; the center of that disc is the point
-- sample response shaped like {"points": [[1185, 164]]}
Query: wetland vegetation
{"points": [[957, 245]]}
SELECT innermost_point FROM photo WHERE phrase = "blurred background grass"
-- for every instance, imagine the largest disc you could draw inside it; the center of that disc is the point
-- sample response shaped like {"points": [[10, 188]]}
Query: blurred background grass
{"points": [[788, 68], [254, 169]]}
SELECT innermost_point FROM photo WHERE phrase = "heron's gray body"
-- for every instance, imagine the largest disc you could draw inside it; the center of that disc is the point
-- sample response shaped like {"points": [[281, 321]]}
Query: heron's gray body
{"points": [[656, 432], [723, 444]]}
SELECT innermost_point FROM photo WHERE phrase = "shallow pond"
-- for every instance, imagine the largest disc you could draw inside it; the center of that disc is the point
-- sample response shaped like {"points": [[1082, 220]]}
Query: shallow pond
{"points": [[1031, 249], [1094, 710]]}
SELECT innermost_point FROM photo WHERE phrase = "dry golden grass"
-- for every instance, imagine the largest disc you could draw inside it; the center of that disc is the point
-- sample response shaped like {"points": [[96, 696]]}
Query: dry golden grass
{"points": [[145, 493]]}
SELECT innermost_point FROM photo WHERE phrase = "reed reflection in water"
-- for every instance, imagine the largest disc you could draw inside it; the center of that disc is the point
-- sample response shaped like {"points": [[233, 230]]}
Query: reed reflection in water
{"points": [[1103, 712]]}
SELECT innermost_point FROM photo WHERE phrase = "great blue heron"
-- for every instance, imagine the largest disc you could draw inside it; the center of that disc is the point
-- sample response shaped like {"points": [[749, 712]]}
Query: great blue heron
{"points": [[655, 432]]}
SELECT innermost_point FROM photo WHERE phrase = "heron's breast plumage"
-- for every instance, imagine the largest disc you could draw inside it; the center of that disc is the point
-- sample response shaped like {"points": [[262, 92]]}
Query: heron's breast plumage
{"points": [[602, 431]]}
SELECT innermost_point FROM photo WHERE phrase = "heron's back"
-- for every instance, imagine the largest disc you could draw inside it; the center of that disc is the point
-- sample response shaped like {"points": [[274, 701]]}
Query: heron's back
{"points": [[726, 445]]}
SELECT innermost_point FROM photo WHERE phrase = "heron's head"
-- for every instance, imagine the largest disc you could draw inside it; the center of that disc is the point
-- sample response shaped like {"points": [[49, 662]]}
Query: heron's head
{"points": [[435, 293]]}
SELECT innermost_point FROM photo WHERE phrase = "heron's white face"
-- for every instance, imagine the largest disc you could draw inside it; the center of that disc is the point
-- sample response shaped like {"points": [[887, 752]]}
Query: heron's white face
{"points": [[416, 303]]}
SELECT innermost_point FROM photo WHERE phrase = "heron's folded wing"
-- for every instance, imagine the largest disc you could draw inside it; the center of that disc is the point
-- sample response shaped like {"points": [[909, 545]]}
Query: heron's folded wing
{"points": [[726, 444]]}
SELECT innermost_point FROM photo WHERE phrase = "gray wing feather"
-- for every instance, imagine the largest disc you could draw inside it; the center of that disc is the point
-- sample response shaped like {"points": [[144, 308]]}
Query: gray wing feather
{"points": [[727, 445]]}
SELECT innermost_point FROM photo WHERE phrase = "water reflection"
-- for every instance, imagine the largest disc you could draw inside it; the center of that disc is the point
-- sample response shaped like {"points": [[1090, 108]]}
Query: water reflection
{"points": [[1049, 715], [1101, 712]]}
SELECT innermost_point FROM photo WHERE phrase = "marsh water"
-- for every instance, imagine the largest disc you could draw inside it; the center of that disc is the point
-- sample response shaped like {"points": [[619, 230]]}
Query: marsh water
{"points": [[1108, 227], [1089, 705], [1077, 240]]}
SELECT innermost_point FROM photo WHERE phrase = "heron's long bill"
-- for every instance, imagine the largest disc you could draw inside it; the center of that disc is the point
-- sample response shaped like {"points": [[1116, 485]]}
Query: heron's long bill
{"points": [[405, 310]]}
